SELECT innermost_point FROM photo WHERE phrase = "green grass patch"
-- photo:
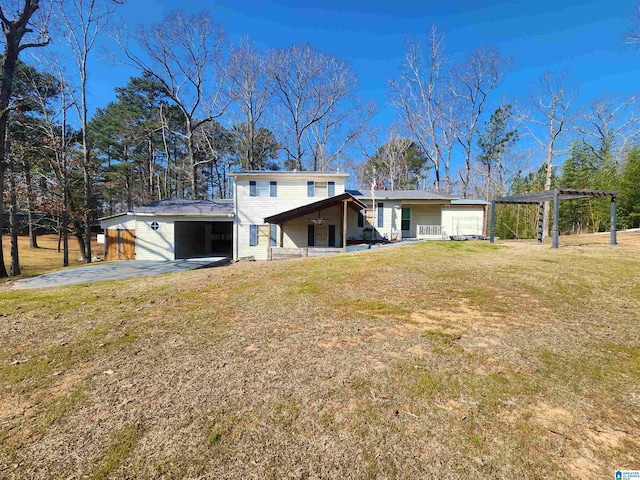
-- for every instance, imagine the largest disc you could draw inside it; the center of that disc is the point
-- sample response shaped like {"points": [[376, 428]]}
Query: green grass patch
{"points": [[120, 448]]}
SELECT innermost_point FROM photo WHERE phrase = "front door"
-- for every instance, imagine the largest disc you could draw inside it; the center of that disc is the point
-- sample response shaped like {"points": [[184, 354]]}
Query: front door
{"points": [[406, 222]]}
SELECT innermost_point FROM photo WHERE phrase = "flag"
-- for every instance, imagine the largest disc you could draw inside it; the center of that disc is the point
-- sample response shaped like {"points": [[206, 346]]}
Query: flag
{"points": [[373, 187]]}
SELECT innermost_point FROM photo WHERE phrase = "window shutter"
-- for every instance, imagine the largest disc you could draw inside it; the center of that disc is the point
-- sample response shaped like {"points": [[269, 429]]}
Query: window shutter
{"points": [[253, 189], [311, 235], [273, 234], [253, 235], [273, 189], [332, 235], [380, 215], [310, 189], [360, 219], [331, 189]]}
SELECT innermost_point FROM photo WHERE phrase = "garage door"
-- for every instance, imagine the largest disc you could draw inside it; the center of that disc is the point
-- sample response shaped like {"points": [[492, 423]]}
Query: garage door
{"points": [[120, 244]]}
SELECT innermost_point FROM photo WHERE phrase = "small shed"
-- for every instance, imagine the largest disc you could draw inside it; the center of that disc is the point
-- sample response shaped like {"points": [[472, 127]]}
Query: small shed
{"points": [[556, 196], [170, 229]]}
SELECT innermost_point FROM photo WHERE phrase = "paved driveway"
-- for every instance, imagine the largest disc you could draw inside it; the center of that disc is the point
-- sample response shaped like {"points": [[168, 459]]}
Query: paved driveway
{"points": [[115, 271]]}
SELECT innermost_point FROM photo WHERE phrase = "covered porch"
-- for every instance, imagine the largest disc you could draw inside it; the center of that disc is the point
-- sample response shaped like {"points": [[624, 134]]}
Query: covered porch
{"points": [[315, 229]]}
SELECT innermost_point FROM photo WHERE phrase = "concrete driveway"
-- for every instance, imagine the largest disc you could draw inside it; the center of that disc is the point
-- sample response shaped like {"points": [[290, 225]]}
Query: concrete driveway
{"points": [[115, 271]]}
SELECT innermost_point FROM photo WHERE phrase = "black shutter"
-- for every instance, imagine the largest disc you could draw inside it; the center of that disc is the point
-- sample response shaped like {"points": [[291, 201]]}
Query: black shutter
{"points": [[311, 235]]}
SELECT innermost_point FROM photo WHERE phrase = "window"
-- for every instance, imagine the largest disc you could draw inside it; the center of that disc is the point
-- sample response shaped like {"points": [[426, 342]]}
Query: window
{"points": [[258, 235], [360, 219], [321, 189], [273, 235], [380, 215], [263, 189]]}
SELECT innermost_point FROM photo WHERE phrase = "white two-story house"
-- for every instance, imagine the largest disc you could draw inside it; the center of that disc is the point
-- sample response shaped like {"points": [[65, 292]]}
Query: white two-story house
{"points": [[284, 214], [290, 210]]}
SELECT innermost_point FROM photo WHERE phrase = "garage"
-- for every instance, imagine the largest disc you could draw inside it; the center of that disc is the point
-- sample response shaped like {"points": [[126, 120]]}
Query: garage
{"points": [[201, 239], [171, 229]]}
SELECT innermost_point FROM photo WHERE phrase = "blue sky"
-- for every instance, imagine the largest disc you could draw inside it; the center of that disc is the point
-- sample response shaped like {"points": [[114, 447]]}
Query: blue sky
{"points": [[581, 38]]}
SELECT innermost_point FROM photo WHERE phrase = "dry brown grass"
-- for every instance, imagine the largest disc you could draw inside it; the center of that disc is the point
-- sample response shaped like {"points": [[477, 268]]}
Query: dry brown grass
{"points": [[36, 261], [456, 360]]}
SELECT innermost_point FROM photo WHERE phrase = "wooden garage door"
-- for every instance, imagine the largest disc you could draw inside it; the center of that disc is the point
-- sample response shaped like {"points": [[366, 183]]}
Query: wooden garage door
{"points": [[121, 244]]}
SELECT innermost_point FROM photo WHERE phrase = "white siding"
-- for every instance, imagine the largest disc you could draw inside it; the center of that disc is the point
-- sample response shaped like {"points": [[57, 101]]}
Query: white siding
{"points": [[291, 193], [463, 220], [155, 244], [424, 215], [123, 222]]}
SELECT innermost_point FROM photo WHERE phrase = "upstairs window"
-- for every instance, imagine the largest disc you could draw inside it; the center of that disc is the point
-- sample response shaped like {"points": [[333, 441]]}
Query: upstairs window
{"points": [[321, 189], [263, 189]]}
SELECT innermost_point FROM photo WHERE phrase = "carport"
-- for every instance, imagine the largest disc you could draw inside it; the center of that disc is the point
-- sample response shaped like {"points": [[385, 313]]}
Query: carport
{"points": [[556, 196], [202, 238]]}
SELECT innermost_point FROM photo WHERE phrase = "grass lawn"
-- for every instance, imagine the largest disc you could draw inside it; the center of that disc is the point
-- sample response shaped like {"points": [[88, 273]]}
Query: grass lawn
{"points": [[434, 360], [36, 261]]}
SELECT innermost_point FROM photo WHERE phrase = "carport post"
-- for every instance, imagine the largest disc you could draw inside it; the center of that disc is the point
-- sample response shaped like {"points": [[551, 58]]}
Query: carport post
{"points": [[492, 235], [613, 221], [556, 211]]}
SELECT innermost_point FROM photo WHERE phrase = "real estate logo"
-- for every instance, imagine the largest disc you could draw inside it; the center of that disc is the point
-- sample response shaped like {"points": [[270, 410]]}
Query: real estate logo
{"points": [[627, 475]]}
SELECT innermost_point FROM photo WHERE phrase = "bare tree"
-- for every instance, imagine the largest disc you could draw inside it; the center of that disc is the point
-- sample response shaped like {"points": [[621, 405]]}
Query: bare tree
{"points": [[18, 35], [184, 54], [551, 107], [82, 22], [250, 89], [330, 138], [308, 85], [612, 125], [54, 100], [471, 85], [419, 94]]}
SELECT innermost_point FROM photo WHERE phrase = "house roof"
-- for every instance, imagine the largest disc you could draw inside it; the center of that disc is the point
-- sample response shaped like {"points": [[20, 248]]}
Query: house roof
{"points": [[288, 173], [402, 195], [314, 207], [218, 208]]}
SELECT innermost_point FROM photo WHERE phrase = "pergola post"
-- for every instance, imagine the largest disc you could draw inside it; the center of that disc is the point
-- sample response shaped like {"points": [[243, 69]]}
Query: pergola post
{"points": [[556, 212], [282, 235], [492, 235], [540, 221], [613, 220]]}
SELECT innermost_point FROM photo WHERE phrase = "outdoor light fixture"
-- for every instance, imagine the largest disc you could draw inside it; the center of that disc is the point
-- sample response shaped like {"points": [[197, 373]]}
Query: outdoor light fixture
{"points": [[318, 220]]}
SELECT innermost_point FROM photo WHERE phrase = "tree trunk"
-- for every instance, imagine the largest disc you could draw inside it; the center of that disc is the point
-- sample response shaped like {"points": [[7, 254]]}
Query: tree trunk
{"points": [[547, 186], [3, 269], [86, 167], [33, 239], [13, 222]]}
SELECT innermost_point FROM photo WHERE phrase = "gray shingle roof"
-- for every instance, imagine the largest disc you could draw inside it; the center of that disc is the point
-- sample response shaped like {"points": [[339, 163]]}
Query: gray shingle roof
{"points": [[402, 195], [219, 208]]}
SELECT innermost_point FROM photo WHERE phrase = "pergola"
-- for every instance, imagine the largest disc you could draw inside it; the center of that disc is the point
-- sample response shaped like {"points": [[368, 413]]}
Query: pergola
{"points": [[556, 196]]}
